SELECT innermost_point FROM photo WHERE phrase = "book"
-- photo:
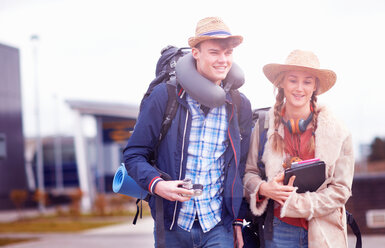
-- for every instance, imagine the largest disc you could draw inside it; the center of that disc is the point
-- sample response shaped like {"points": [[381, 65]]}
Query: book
{"points": [[309, 175], [304, 162]]}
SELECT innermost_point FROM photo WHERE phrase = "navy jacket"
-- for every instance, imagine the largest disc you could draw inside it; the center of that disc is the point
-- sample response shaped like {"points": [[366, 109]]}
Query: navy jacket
{"points": [[172, 152]]}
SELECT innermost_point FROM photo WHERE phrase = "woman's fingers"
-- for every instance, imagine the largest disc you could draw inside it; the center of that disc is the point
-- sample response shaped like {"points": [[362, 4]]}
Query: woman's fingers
{"points": [[281, 193], [282, 199], [279, 178], [285, 188], [275, 190], [291, 181]]}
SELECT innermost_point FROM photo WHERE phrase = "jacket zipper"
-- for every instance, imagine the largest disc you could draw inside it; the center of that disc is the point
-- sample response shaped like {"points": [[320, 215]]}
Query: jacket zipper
{"points": [[180, 168], [235, 159]]}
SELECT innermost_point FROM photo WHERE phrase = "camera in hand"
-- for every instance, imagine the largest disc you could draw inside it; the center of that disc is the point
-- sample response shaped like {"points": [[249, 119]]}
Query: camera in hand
{"points": [[196, 187]]}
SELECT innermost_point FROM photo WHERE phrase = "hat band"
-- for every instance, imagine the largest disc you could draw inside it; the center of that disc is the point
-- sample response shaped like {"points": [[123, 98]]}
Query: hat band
{"points": [[215, 33]]}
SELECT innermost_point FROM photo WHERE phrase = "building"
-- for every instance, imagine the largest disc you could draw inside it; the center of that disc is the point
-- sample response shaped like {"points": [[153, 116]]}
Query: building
{"points": [[12, 170], [85, 162], [367, 203], [114, 123]]}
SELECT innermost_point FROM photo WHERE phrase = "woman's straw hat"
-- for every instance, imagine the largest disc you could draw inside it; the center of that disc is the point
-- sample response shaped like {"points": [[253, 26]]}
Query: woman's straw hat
{"points": [[307, 61], [213, 28]]}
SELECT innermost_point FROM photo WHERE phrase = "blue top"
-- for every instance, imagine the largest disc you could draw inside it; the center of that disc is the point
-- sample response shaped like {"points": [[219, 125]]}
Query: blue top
{"points": [[172, 152]]}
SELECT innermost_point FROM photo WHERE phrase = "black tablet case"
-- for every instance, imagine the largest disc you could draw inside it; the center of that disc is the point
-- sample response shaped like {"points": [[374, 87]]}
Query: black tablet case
{"points": [[308, 177]]}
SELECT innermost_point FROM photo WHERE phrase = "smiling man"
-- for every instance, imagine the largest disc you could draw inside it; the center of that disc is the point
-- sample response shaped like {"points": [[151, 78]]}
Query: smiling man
{"points": [[202, 144], [214, 59]]}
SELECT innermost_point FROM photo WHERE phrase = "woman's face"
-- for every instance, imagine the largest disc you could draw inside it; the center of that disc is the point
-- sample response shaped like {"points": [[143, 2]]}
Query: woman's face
{"points": [[298, 87]]}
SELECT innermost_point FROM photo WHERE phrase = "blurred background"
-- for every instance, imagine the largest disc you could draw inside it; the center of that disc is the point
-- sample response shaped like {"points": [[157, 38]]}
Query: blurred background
{"points": [[72, 74]]}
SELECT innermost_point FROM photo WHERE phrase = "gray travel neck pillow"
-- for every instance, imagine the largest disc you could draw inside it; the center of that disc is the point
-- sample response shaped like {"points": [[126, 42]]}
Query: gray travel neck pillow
{"points": [[203, 90]]}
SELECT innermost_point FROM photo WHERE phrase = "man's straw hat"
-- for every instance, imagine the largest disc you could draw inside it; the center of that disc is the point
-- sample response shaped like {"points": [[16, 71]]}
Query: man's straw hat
{"points": [[213, 28], [307, 61]]}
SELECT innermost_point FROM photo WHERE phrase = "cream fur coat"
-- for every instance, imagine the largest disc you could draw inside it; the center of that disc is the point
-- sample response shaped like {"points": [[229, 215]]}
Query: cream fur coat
{"points": [[324, 209]]}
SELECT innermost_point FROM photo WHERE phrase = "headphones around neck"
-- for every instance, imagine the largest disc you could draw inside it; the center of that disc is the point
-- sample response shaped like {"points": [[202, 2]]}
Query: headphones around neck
{"points": [[297, 126]]}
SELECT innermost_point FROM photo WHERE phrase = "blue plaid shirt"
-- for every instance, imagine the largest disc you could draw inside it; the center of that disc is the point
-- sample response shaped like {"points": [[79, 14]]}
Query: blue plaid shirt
{"points": [[207, 144]]}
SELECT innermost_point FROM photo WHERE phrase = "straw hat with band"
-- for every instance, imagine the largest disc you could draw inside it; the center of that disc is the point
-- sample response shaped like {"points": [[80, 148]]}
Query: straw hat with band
{"points": [[307, 61], [213, 28]]}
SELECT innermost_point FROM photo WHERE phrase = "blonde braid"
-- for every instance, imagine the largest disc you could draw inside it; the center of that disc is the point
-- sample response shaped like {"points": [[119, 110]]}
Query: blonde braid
{"points": [[278, 143], [313, 102]]}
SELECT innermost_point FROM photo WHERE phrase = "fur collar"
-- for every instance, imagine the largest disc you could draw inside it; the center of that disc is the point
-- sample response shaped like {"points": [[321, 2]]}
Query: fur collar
{"points": [[329, 136]]}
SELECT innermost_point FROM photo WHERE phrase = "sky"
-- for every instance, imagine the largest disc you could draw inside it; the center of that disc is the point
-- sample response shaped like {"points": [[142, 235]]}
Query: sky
{"points": [[106, 50]]}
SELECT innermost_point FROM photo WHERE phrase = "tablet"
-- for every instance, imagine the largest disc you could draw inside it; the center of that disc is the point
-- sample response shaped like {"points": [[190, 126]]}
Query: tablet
{"points": [[309, 177]]}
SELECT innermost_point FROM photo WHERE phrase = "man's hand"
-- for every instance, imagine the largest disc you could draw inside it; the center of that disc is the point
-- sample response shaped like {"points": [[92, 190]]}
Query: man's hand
{"points": [[238, 238], [171, 190]]}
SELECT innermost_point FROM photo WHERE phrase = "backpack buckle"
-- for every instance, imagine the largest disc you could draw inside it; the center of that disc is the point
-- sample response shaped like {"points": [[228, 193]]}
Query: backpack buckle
{"points": [[173, 64], [172, 73]]}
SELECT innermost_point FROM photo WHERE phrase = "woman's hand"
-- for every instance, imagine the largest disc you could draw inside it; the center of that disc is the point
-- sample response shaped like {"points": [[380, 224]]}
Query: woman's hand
{"points": [[275, 189]]}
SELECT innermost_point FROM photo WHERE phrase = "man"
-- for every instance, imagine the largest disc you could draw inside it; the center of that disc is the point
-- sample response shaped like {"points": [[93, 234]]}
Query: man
{"points": [[202, 144]]}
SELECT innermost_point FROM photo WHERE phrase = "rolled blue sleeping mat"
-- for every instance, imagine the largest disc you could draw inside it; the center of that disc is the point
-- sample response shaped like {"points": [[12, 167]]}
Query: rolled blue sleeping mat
{"points": [[124, 184]]}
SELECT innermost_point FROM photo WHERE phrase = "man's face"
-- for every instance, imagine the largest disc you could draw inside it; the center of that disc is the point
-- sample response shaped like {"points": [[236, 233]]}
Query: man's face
{"points": [[213, 59]]}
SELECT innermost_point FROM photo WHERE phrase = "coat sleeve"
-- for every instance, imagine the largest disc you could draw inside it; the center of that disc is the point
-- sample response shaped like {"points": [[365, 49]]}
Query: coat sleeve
{"points": [[144, 138], [252, 179], [328, 199]]}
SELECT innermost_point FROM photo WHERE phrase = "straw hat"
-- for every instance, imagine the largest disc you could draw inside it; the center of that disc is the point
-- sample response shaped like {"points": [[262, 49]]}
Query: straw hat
{"points": [[307, 61], [213, 28]]}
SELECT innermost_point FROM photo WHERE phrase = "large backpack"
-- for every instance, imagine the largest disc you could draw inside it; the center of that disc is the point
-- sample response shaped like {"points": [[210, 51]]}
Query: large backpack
{"points": [[165, 73], [253, 232]]}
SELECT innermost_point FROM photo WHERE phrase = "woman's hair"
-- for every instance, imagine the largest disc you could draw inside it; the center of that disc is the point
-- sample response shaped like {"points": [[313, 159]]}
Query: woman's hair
{"points": [[277, 140]]}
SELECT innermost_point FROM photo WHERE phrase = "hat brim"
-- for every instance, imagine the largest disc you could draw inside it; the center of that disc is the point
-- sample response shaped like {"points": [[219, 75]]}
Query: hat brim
{"points": [[326, 77], [193, 41]]}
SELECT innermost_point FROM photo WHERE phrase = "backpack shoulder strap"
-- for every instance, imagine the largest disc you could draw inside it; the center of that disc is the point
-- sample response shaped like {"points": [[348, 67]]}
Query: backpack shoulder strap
{"points": [[262, 131], [263, 119], [169, 114], [356, 230]]}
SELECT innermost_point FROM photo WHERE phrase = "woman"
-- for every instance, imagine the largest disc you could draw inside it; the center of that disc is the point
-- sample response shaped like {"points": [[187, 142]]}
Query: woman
{"points": [[311, 219]]}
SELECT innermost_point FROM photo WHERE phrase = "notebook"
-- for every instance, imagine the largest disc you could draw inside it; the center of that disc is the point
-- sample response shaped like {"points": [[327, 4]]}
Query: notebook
{"points": [[309, 176]]}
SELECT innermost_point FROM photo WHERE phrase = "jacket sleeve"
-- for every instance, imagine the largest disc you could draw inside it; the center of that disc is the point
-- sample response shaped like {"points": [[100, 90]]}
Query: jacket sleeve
{"points": [[328, 199], [245, 125], [141, 144], [252, 179]]}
